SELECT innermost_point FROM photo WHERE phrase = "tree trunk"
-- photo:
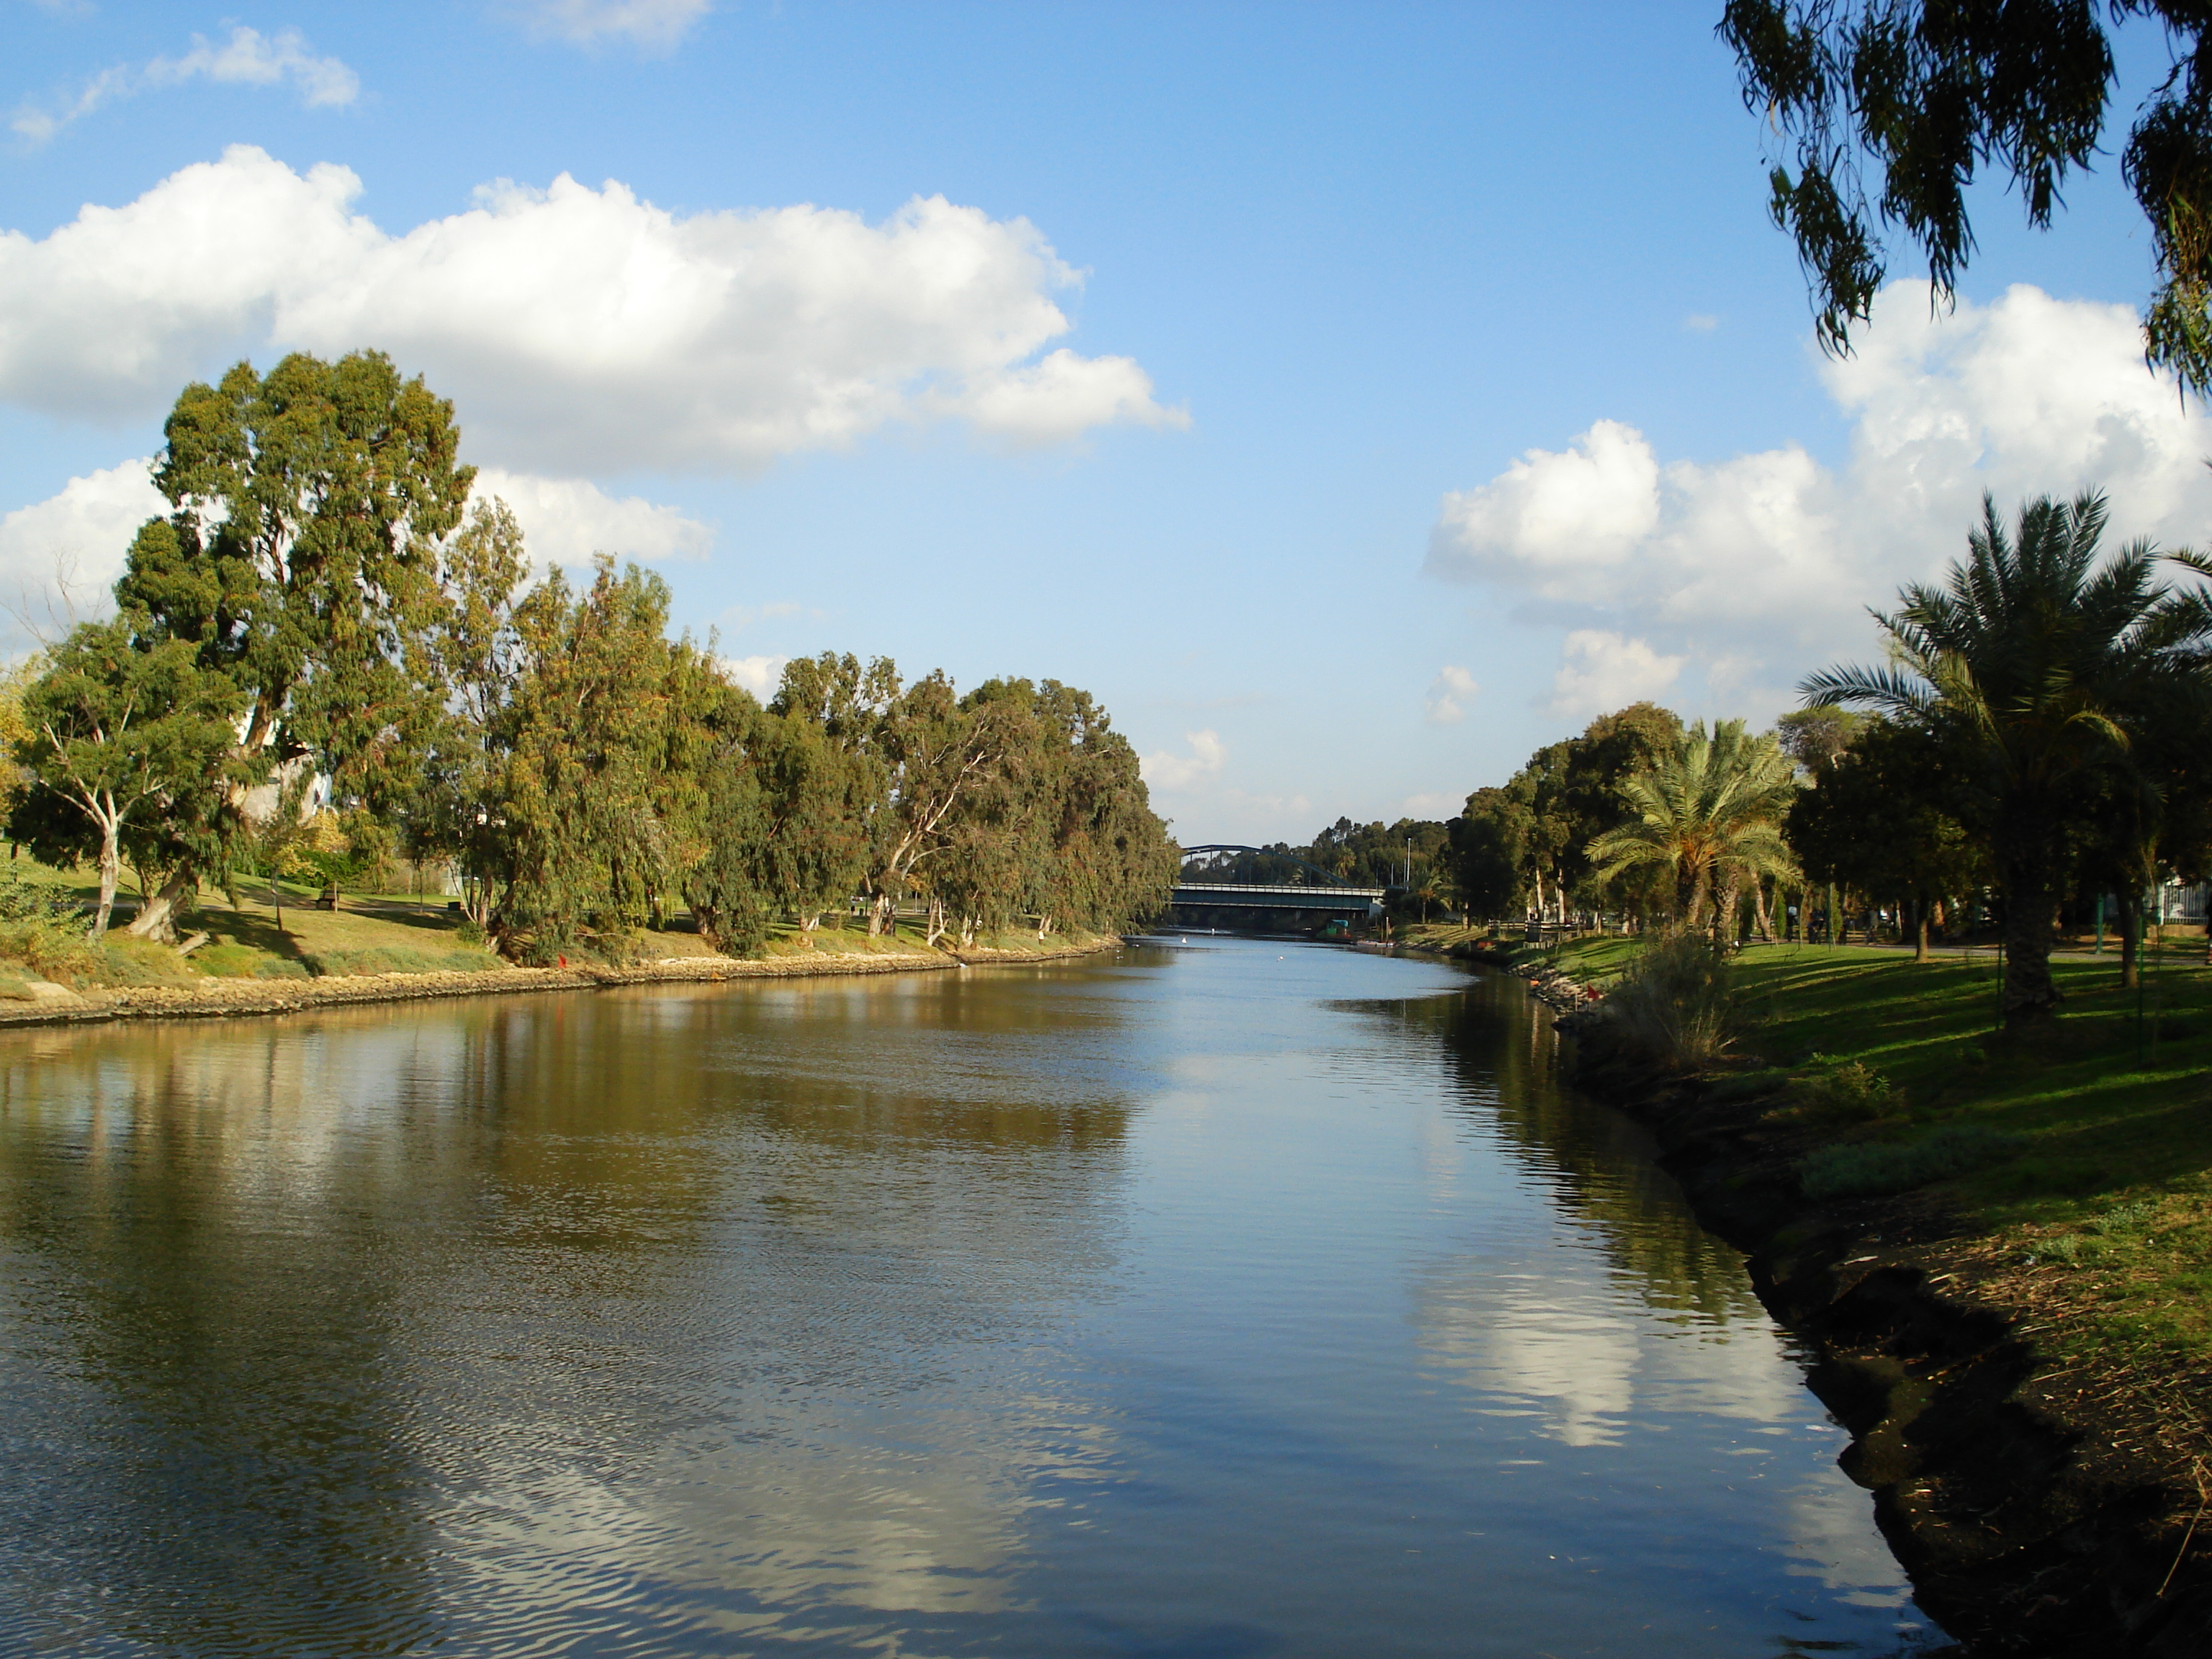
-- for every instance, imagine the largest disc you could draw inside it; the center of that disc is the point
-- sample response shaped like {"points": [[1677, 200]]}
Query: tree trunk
{"points": [[111, 871], [2131, 911], [880, 917], [1920, 930], [2031, 909], [157, 915], [1763, 917], [1725, 902], [936, 929]]}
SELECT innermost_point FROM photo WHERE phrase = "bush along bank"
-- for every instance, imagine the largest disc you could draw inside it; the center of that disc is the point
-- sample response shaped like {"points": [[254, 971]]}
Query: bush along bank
{"points": [[2000, 1248]]}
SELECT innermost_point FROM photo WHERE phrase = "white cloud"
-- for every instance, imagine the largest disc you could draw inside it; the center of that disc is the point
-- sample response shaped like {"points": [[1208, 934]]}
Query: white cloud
{"points": [[1170, 771], [1757, 569], [63, 554], [1449, 693], [1435, 806], [1603, 671], [566, 520], [247, 58], [79, 535], [738, 616], [654, 24], [758, 675], [1586, 508], [1698, 322], [579, 331]]}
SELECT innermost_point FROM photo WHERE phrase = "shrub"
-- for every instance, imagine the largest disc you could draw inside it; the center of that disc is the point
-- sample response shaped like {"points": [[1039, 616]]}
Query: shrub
{"points": [[1677, 1004], [141, 962], [1845, 1093], [1869, 1169], [398, 959], [230, 960], [2123, 1218]]}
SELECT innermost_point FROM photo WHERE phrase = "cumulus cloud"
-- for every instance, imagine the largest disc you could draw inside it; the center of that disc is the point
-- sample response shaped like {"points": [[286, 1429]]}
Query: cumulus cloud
{"points": [[653, 24], [758, 675], [75, 539], [1603, 671], [1449, 693], [1435, 805], [247, 58], [1171, 771], [65, 552], [580, 330], [1759, 569], [566, 520]]}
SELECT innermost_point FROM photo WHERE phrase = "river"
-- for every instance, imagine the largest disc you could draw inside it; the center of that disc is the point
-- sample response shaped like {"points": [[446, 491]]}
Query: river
{"points": [[1205, 1302]]}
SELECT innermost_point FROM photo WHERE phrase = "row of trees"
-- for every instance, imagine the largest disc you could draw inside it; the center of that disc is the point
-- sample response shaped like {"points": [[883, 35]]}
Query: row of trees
{"points": [[324, 611], [2038, 739], [1409, 859]]}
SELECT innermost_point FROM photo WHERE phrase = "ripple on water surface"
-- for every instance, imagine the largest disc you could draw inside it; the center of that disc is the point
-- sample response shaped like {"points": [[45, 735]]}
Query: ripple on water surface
{"points": [[1208, 1303]]}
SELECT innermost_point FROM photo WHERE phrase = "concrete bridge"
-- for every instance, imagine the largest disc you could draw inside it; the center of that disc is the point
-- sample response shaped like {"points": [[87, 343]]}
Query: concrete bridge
{"points": [[1270, 907]]}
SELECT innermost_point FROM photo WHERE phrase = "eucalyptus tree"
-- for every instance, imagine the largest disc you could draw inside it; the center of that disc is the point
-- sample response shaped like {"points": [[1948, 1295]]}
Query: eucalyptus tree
{"points": [[828, 787], [1709, 814], [604, 744], [472, 654], [298, 559], [2032, 662], [1924, 93], [128, 745]]}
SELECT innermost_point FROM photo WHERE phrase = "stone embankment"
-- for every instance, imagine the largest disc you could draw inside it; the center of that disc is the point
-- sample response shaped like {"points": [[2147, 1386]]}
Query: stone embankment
{"points": [[219, 998]]}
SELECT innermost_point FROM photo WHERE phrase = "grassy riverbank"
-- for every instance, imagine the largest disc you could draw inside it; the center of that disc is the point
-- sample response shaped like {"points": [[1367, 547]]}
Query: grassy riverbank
{"points": [[284, 936], [2079, 1157], [1999, 1246]]}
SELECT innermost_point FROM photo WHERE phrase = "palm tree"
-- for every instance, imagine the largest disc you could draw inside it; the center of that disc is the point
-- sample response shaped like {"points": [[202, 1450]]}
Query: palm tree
{"points": [[2034, 659], [1711, 813]]}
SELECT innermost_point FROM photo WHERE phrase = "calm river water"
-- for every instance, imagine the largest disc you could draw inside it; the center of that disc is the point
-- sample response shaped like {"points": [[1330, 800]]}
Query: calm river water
{"points": [[1187, 1303]]}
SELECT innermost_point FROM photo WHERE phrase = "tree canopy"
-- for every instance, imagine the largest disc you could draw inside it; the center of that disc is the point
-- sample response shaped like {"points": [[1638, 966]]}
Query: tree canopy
{"points": [[1891, 109]]}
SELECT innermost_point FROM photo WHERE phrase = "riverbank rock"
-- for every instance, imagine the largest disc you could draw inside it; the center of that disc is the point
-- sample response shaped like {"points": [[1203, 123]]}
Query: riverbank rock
{"points": [[223, 999]]}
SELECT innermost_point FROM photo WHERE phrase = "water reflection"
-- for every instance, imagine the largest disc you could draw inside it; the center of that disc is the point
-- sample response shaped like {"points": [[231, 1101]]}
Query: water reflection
{"points": [[1238, 1301]]}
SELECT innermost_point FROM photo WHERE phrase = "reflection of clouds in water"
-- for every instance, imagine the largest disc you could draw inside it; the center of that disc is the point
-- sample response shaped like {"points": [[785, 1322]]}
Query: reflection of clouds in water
{"points": [[1534, 1344], [1825, 1533], [1544, 1330]]}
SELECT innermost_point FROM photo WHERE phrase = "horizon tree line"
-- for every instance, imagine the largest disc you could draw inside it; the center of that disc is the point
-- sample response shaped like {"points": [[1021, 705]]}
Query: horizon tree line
{"points": [[325, 609]]}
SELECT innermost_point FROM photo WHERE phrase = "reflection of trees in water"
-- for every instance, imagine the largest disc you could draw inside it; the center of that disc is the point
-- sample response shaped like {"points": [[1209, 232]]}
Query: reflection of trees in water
{"points": [[1503, 1055], [229, 1400], [371, 1311]]}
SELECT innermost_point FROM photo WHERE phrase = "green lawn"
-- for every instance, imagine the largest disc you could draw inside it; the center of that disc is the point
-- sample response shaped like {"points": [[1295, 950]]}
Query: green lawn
{"points": [[2100, 1204]]}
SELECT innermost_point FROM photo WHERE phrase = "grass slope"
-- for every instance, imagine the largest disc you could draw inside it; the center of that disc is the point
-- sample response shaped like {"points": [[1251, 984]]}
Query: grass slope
{"points": [[2093, 1195]]}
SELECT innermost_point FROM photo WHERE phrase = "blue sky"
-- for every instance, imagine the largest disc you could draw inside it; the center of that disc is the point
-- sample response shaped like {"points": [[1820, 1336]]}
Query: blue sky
{"points": [[1411, 349]]}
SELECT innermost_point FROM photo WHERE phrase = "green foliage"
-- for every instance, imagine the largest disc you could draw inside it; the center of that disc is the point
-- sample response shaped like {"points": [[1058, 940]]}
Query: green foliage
{"points": [[1925, 94], [1530, 839], [1677, 1006], [1707, 814], [1833, 1090], [1871, 1169], [1884, 816], [129, 742], [2029, 670], [316, 610]]}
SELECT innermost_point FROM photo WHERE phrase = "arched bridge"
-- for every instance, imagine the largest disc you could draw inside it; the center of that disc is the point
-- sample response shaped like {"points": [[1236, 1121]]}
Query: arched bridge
{"points": [[1249, 903]]}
